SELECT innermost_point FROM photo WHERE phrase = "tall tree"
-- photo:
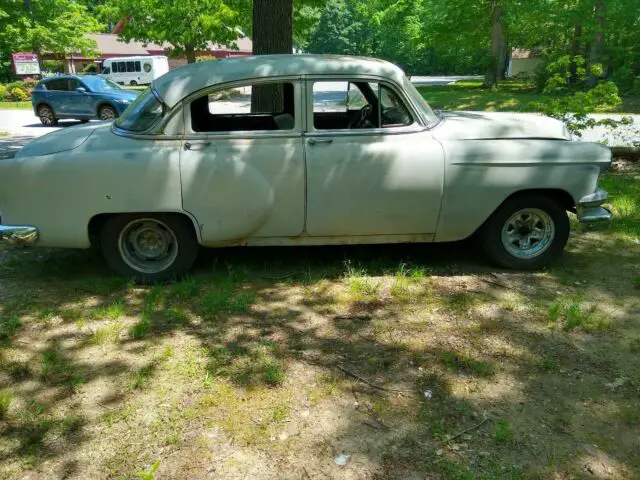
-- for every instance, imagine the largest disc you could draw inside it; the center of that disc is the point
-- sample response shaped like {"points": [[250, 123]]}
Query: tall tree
{"points": [[46, 26], [187, 25]]}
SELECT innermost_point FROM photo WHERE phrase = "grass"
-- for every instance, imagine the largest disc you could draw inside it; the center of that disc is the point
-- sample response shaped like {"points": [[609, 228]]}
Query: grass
{"points": [[510, 96], [267, 360], [16, 105]]}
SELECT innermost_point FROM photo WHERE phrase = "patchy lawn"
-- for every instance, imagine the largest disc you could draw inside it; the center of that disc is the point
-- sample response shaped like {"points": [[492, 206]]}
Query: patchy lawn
{"points": [[511, 96], [414, 361]]}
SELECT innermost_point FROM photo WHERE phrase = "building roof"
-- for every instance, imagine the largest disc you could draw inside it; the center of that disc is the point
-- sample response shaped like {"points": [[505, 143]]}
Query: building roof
{"points": [[181, 82], [110, 44]]}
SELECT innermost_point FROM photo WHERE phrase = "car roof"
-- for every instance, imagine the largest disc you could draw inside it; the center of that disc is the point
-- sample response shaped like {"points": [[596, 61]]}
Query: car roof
{"points": [[181, 82]]}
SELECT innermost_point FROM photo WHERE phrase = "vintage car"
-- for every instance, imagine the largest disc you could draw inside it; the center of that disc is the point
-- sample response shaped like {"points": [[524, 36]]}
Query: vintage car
{"points": [[298, 150]]}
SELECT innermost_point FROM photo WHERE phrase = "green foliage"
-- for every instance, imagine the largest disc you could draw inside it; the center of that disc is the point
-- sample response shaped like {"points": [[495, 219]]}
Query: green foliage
{"points": [[53, 26], [53, 66], [6, 397], [502, 432], [148, 474], [200, 22], [90, 68], [8, 327]]}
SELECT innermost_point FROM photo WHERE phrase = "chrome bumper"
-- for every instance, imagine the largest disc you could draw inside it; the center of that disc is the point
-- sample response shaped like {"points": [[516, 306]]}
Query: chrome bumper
{"points": [[19, 234], [591, 214]]}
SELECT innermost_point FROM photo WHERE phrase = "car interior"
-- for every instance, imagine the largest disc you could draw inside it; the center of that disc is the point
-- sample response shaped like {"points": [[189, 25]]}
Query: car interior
{"points": [[375, 107]]}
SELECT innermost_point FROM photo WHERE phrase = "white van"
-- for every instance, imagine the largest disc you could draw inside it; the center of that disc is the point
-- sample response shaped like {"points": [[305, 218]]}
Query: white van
{"points": [[135, 70]]}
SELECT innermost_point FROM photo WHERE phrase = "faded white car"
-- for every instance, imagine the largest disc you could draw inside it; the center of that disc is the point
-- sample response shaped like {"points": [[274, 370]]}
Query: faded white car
{"points": [[298, 150]]}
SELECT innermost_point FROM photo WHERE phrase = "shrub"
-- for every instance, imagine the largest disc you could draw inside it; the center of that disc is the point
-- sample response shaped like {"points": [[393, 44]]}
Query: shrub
{"points": [[18, 94], [4, 93], [91, 68]]}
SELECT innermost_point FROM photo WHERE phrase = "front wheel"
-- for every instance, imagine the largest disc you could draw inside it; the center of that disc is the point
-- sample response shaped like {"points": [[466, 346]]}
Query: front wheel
{"points": [[107, 113], [526, 232], [46, 116], [149, 248]]}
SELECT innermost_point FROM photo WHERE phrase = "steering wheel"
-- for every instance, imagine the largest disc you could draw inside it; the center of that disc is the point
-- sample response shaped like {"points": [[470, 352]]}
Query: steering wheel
{"points": [[359, 118]]}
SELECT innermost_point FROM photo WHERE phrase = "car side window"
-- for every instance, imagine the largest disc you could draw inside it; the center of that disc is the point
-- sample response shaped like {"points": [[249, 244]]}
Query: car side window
{"points": [[106, 71], [394, 113], [263, 107], [357, 104], [73, 84], [345, 105], [58, 85], [130, 67], [137, 65]]}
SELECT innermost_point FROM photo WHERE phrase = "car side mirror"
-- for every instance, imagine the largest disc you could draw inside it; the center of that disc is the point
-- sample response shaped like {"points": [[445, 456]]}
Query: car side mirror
{"points": [[81, 90]]}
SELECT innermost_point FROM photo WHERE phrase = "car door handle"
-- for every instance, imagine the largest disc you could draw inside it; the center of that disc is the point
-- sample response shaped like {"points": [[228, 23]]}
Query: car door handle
{"points": [[315, 141], [196, 146]]}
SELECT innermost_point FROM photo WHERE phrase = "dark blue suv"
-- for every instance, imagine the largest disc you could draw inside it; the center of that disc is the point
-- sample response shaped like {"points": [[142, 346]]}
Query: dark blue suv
{"points": [[79, 96]]}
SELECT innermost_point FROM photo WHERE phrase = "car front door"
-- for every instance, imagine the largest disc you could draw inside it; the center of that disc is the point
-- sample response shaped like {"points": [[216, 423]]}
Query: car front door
{"points": [[242, 162], [373, 169], [79, 102]]}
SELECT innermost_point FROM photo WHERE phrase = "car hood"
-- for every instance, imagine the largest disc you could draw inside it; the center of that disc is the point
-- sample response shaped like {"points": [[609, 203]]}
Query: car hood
{"points": [[61, 140], [490, 125]]}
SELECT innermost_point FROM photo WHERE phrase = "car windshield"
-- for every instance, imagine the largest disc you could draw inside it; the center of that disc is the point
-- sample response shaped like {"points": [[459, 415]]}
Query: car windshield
{"points": [[427, 112], [144, 112], [100, 84]]}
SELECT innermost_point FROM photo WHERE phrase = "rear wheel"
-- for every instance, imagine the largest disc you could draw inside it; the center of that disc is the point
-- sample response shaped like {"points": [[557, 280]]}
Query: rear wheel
{"points": [[133, 83], [149, 248], [46, 115], [526, 232], [107, 113]]}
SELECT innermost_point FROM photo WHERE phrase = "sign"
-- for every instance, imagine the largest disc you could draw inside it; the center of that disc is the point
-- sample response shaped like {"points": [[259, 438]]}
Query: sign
{"points": [[25, 64]]}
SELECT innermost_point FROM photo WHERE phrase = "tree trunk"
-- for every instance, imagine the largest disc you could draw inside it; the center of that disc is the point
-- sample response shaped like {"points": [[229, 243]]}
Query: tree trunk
{"points": [[272, 26], [505, 56], [190, 53], [595, 53], [497, 45], [575, 51], [272, 33]]}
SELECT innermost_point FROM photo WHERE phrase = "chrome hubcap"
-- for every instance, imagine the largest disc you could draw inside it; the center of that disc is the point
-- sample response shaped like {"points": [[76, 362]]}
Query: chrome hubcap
{"points": [[528, 233], [148, 245], [107, 114]]}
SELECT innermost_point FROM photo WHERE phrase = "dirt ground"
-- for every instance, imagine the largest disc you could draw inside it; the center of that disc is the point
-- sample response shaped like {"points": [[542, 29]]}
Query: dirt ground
{"points": [[394, 362]]}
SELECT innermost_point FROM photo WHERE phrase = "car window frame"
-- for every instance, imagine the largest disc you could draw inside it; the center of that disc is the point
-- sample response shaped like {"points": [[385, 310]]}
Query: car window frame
{"points": [[416, 126], [298, 94]]}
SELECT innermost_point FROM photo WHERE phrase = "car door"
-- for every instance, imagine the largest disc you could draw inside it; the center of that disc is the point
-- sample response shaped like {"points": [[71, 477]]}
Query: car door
{"points": [[57, 95], [79, 103], [372, 171], [242, 165]]}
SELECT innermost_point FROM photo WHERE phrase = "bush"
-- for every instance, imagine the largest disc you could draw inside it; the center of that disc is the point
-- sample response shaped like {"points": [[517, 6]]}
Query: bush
{"points": [[91, 68], [18, 94], [205, 58], [4, 93]]}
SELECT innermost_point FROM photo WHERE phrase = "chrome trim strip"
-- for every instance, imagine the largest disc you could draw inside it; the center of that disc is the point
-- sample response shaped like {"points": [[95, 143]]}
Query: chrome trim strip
{"points": [[19, 234], [594, 199], [594, 217]]}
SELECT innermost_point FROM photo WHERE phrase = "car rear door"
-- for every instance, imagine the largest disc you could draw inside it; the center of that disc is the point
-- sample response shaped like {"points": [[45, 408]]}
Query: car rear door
{"points": [[242, 165], [378, 176], [57, 95]]}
